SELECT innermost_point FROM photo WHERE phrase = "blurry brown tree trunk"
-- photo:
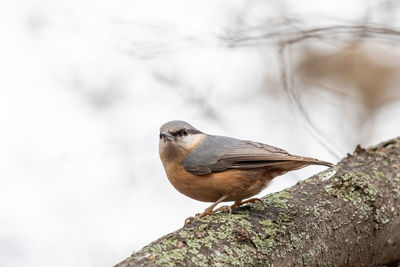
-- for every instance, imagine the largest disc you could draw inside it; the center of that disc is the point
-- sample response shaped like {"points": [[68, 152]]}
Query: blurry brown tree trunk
{"points": [[348, 215]]}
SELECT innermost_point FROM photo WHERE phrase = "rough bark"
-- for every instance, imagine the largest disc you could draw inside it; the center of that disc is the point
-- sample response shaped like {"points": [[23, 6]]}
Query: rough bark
{"points": [[347, 215]]}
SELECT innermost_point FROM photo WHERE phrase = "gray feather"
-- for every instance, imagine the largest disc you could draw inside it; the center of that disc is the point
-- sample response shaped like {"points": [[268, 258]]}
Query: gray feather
{"points": [[203, 158], [219, 153]]}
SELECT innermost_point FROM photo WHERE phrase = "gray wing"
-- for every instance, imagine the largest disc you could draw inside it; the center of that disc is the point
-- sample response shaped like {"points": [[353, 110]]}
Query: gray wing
{"points": [[219, 153]]}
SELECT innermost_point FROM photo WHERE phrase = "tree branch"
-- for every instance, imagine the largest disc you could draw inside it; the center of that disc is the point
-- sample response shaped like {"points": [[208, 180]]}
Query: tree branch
{"points": [[346, 215]]}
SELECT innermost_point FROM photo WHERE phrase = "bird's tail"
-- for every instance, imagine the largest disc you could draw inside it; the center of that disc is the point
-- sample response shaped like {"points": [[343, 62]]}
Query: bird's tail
{"points": [[313, 161]]}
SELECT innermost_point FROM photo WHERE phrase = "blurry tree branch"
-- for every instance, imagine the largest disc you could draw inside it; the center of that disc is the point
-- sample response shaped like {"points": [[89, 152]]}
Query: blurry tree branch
{"points": [[347, 215], [289, 35], [192, 96]]}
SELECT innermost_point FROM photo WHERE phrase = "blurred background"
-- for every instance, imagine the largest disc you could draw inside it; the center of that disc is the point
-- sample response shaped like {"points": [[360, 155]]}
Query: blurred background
{"points": [[85, 86]]}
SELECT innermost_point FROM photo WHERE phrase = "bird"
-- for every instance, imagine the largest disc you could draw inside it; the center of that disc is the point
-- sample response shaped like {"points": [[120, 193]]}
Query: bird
{"points": [[212, 168]]}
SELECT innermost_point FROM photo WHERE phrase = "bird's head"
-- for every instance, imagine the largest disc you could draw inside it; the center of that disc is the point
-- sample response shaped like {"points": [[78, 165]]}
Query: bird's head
{"points": [[178, 137]]}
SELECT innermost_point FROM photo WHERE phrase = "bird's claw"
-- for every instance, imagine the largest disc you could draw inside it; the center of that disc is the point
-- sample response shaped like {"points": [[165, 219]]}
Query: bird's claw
{"points": [[223, 208], [251, 200], [195, 217], [207, 212], [189, 220], [254, 200]]}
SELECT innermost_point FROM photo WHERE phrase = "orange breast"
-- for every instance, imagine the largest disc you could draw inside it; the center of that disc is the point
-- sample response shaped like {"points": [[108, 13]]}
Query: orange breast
{"points": [[235, 184]]}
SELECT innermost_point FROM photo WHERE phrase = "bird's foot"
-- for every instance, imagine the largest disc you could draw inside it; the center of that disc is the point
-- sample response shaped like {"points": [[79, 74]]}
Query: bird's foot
{"points": [[198, 216], [189, 220], [207, 212], [223, 208], [239, 203]]}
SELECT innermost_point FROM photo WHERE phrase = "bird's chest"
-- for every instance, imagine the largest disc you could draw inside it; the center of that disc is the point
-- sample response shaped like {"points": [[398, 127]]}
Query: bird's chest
{"points": [[187, 183], [209, 188], [199, 187]]}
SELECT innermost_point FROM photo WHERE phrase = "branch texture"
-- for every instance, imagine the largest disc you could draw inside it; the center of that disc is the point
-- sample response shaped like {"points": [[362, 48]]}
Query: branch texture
{"points": [[346, 215]]}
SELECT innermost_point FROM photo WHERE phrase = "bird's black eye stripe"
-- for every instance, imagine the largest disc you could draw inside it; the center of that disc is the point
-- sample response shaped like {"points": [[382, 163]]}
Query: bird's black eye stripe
{"points": [[184, 132], [180, 133]]}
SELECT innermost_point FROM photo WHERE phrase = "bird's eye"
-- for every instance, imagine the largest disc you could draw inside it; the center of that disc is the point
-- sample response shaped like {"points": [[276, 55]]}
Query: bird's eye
{"points": [[160, 136], [185, 132]]}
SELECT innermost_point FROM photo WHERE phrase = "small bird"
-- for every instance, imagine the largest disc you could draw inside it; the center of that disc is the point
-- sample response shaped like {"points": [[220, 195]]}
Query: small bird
{"points": [[213, 168]]}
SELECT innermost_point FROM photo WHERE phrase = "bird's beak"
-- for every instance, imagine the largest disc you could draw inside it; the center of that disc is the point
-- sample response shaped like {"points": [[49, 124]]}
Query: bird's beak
{"points": [[167, 136]]}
